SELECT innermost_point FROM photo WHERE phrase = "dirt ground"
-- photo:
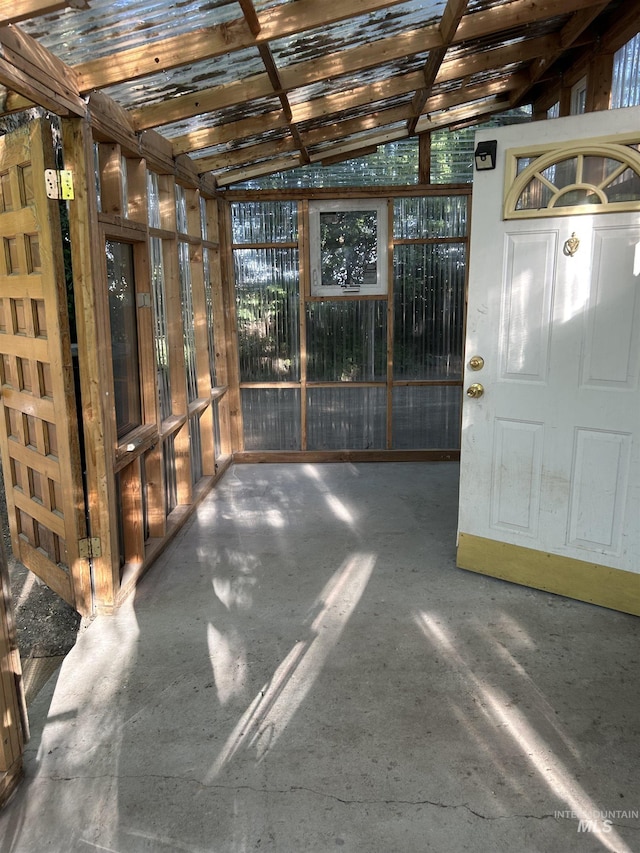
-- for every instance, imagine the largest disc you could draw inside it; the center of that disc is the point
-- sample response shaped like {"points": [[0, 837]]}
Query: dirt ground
{"points": [[46, 625]]}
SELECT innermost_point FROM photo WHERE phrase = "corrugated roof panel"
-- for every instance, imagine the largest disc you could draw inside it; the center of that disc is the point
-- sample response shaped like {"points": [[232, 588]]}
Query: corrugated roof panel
{"points": [[107, 26], [261, 5], [355, 81], [532, 31], [359, 138], [251, 109], [484, 5], [186, 79], [480, 77], [270, 136], [357, 112], [352, 32]]}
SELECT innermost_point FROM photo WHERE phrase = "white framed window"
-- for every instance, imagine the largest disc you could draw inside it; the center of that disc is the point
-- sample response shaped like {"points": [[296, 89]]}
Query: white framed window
{"points": [[348, 247]]}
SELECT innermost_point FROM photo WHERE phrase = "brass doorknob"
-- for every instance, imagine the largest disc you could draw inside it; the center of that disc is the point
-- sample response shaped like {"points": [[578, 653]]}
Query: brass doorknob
{"points": [[476, 362], [476, 390]]}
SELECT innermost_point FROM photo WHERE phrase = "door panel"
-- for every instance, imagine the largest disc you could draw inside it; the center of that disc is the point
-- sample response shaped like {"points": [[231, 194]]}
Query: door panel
{"points": [[38, 420], [550, 461]]}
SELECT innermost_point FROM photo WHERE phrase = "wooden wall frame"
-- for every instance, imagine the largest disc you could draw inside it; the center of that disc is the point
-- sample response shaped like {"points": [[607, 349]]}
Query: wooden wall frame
{"points": [[126, 477]]}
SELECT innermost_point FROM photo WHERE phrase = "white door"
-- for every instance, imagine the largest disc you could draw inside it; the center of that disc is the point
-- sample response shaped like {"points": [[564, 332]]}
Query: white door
{"points": [[550, 461]]}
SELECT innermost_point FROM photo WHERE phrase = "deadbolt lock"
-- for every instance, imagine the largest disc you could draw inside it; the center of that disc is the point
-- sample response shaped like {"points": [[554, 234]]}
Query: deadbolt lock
{"points": [[476, 390], [476, 362]]}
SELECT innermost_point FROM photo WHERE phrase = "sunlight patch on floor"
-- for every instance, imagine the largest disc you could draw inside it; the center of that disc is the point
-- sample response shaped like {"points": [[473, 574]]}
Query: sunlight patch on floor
{"points": [[503, 714]]}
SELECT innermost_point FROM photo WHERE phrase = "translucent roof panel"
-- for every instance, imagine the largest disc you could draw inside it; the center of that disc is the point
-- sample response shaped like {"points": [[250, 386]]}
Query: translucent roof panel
{"points": [[394, 164], [480, 77], [399, 129], [186, 79], [107, 26], [353, 32], [379, 74], [485, 5], [476, 47], [271, 136], [359, 112], [251, 109]]}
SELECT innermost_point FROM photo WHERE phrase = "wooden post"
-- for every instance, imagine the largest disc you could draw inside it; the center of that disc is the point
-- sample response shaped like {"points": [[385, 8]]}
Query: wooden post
{"points": [[424, 158], [599, 81], [233, 366], [304, 290], [94, 356]]}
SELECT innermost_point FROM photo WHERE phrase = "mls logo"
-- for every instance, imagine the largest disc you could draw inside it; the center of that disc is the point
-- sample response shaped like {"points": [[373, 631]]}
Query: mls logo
{"points": [[592, 826]]}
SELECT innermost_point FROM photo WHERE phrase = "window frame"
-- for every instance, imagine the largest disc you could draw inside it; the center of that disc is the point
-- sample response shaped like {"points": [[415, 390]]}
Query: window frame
{"points": [[380, 289]]}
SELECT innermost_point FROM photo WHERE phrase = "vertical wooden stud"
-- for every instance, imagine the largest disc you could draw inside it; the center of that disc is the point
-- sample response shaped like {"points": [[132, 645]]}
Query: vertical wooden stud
{"points": [[111, 179], [231, 338], [305, 289], [94, 349], [390, 315], [424, 158]]}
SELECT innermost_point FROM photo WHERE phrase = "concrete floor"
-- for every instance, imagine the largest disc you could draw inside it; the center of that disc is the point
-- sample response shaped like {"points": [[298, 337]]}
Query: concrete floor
{"points": [[305, 669]]}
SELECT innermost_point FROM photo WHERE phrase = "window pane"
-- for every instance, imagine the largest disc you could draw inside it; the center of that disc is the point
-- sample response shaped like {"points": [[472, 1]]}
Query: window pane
{"points": [[170, 479], [268, 311], [271, 418], [426, 418], [208, 294], [124, 336], [188, 321], [625, 90], [161, 337], [196, 448], [347, 341], [265, 222], [428, 311], [347, 418], [438, 216]]}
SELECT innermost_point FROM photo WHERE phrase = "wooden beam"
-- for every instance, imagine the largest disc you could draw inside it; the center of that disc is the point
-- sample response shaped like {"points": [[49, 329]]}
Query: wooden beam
{"points": [[355, 146], [424, 158], [110, 122], [469, 112], [229, 132], [208, 42], [94, 346], [250, 15], [12, 12], [345, 62], [340, 158], [30, 70], [248, 154], [451, 18], [571, 31], [206, 101], [449, 70], [268, 167], [350, 127]]}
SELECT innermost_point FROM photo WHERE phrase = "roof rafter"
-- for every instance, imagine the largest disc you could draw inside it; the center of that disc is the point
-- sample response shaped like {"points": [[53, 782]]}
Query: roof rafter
{"points": [[208, 42], [473, 25], [12, 12], [451, 18], [571, 31], [351, 127], [456, 69]]}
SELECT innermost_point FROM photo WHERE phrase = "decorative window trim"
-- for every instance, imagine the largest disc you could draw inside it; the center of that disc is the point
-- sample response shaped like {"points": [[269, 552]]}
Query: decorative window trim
{"points": [[549, 155]]}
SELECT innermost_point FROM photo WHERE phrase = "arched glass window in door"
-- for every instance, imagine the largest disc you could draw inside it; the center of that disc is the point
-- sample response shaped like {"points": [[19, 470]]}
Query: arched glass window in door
{"points": [[596, 178]]}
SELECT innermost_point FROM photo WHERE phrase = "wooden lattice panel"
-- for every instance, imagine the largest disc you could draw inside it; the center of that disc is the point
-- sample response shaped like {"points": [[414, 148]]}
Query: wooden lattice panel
{"points": [[38, 427]]}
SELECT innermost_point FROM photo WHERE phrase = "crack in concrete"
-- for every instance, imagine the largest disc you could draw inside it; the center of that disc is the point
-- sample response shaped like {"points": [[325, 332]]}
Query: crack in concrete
{"points": [[297, 788]]}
